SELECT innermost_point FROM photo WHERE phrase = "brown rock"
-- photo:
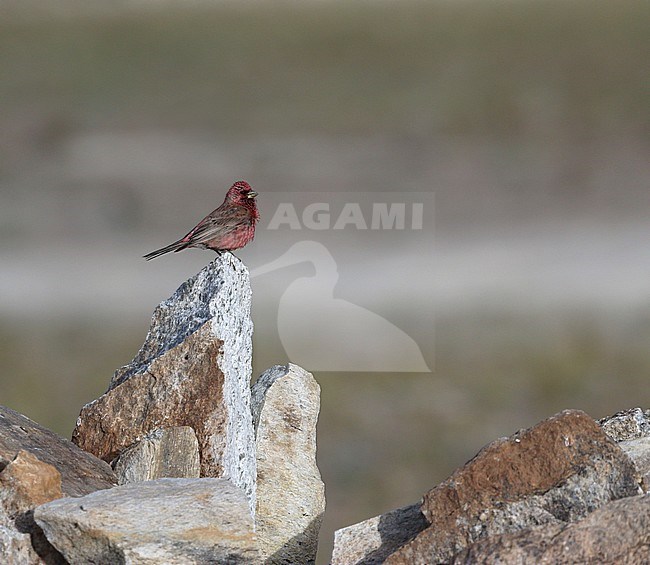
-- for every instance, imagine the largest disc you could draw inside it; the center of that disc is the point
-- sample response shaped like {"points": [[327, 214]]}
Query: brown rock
{"points": [[81, 473], [38, 466], [163, 396], [556, 472], [25, 483], [619, 532], [30, 481]]}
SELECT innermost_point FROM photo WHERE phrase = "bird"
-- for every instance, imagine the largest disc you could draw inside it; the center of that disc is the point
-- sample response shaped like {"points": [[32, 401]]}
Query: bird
{"points": [[229, 227]]}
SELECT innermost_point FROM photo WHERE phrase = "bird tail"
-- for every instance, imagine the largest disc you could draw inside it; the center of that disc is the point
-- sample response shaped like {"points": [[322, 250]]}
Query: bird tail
{"points": [[176, 246]]}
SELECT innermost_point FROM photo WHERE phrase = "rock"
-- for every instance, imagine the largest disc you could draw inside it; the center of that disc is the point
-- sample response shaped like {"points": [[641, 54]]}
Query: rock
{"points": [[290, 492], [627, 424], [556, 472], [631, 429], [164, 521], [81, 473], [37, 465], [618, 532], [25, 483], [193, 370], [371, 541], [638, 450], [172, 452], [30, 482]]}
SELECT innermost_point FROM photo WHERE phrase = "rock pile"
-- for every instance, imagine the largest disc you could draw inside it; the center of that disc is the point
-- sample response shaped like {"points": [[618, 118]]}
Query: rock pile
{"points": [[180, 462], [564, 491], [175, 432]]}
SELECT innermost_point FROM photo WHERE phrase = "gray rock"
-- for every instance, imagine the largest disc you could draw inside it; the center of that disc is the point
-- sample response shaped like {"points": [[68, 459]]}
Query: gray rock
{"points": [[371, 541], [188, 521], [172, 452], [260, 387], [290, 492], [555, 472], [638, 450], [193, 370], [627, 424], [618, 532], [16, 546]]}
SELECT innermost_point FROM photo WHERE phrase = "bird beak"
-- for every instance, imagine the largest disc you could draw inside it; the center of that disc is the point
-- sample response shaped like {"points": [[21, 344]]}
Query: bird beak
{"points": [[251, 194]]}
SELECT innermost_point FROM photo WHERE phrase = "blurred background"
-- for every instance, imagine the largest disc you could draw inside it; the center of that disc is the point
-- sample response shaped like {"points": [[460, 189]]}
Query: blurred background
{"points": [[528, 122]]}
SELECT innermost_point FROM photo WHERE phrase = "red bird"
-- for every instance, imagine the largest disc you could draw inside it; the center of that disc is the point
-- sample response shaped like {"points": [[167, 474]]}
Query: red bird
{"points": [[231, 226]]}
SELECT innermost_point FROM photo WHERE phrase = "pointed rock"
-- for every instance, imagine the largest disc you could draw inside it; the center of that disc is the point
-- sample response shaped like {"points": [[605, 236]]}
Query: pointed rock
{"points": [[191, 521], [290, 492], [193, 370]]}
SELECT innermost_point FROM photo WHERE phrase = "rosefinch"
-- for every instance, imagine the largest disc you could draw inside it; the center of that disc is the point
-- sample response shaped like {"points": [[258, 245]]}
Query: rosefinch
{"points": [[229, 227]]}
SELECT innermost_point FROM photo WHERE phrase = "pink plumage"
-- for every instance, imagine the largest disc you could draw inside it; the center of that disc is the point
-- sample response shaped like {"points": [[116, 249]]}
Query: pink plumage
{"points": [[229, 227]]}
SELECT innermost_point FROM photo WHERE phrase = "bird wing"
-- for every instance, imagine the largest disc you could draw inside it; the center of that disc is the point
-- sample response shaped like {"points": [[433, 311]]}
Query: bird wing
{"points": [[221, 222]]}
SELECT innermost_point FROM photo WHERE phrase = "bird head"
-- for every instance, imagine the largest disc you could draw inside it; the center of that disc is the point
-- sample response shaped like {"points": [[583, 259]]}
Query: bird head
{"points": [[241, 193]]}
